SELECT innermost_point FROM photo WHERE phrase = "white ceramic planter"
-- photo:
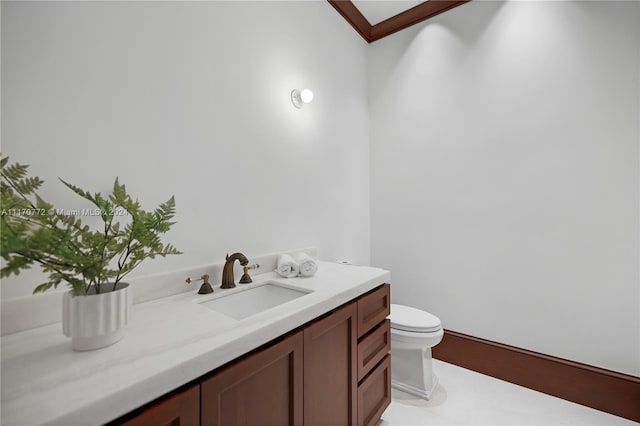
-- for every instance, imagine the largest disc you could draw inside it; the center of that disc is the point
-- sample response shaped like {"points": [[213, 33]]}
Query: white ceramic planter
{"points": [[96, 320]]}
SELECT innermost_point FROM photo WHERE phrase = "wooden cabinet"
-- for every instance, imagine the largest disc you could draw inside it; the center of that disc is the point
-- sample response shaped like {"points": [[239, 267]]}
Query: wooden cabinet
{"points": [[262, 389], [335, 370], [179, 409], [330, 385]]}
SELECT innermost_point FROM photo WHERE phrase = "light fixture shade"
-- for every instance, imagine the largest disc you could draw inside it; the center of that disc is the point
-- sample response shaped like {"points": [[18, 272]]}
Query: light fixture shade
{"points": [[306, 95], [301, 97]]}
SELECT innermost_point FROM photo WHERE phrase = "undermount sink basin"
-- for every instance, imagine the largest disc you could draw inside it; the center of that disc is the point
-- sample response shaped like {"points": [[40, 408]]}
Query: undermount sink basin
{"points": [[253, 300]]}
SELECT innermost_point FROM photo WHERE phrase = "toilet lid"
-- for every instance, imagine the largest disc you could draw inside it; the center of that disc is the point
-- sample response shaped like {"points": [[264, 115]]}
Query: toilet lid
{"points": [[407, 318]]}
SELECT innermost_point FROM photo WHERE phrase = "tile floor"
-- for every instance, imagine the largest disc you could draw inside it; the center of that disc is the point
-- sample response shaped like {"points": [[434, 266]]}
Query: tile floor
{"points": [[465, 397]]}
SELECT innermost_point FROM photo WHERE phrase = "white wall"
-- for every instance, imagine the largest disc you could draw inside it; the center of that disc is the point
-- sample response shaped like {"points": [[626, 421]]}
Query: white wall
{"points": [[192, 99], [505, 176], [504, 147]]}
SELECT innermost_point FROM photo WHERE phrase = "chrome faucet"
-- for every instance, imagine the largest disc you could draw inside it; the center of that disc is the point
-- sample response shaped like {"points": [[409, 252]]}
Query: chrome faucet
{"points": [[227, 271]]}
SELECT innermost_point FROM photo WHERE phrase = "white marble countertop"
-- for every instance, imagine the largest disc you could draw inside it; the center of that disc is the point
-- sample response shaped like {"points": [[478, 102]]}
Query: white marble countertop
{"points": [[168, 342]]}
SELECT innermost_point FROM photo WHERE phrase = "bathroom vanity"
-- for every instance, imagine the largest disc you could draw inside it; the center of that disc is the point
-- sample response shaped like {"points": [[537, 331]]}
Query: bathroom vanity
{"points": [[335, 370], [320, 358]]}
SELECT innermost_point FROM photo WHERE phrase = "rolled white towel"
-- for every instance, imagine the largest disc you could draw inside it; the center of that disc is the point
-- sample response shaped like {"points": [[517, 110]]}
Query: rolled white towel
{"points": [[287, 266], [308, 266]]}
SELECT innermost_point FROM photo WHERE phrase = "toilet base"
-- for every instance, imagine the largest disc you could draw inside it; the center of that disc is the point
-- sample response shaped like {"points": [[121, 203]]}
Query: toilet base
{"points": [[419, 392], [411, 371]]}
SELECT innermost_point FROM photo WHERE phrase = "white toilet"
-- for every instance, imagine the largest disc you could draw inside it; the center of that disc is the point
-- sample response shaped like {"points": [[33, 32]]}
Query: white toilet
{"points": [[413, 334]]}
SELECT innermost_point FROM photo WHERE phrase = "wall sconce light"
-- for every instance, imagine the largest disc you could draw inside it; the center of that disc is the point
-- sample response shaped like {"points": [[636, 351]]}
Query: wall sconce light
{"points": [[301, 97]]}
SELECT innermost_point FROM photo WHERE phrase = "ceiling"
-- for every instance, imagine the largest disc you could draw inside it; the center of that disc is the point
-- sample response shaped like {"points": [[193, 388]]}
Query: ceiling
{"points": [[378, 10], [375, 19]]}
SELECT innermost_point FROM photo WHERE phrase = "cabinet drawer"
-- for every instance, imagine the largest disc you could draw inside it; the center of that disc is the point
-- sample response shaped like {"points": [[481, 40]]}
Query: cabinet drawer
{"points": [[374, 393], [373, 309], [373, 348]]}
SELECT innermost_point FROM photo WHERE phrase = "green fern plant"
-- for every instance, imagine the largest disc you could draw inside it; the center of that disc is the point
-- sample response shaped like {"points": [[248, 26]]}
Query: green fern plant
{"points": [[34, 232]]}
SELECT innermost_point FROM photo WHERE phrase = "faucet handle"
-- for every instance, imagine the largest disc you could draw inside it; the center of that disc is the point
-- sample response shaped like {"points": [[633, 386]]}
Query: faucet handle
{"points": [[205, 288], [246, 279]]}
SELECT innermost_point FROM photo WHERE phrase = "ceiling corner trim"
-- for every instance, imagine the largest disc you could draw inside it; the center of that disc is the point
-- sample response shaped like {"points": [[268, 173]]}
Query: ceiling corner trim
{"points": [[353, 16], [416, 14]]}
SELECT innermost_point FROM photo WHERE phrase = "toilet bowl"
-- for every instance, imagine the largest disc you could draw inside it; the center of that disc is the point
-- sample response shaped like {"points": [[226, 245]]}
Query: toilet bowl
{"points": [[413, 334]]}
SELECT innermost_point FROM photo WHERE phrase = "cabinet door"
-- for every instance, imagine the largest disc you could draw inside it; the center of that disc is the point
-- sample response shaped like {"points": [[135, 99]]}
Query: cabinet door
{"points": [[330, 369], [179, 409], [262, 389]]}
